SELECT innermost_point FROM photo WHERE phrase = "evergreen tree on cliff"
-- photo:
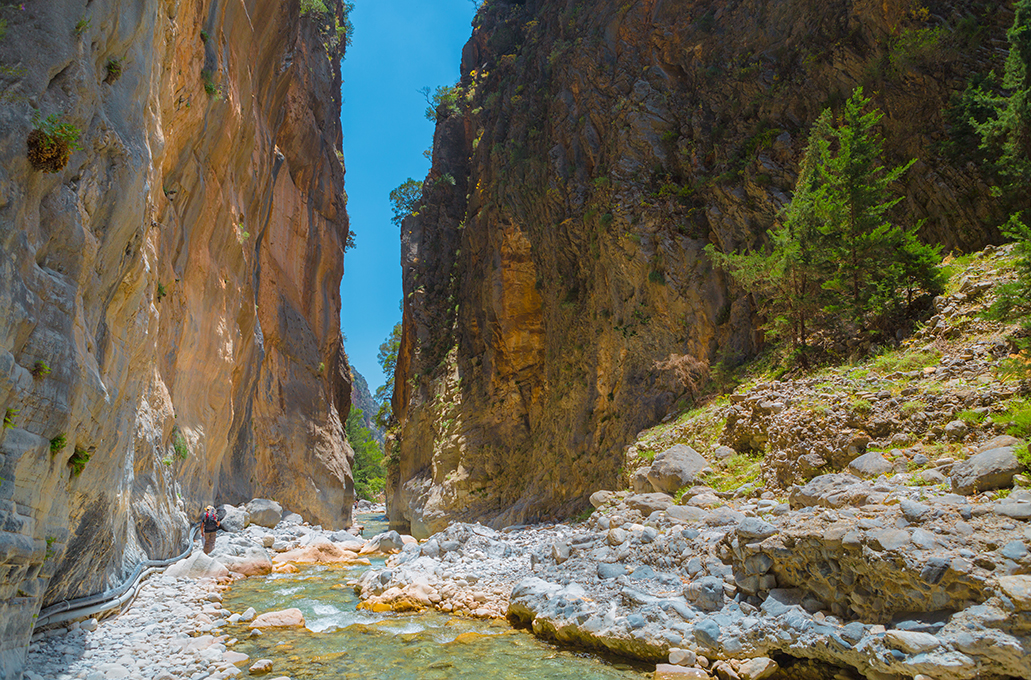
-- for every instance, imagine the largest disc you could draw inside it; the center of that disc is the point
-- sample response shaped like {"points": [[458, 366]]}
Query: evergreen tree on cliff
{"points": [[838, 261], [877, 264]]}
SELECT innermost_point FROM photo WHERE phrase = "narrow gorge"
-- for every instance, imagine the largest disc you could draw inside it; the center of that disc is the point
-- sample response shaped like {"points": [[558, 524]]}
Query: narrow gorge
{"points": [[713, 358]]}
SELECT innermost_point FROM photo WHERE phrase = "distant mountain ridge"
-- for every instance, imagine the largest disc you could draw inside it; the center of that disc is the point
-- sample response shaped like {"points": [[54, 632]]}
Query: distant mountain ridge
{"points": [[363, 399]]}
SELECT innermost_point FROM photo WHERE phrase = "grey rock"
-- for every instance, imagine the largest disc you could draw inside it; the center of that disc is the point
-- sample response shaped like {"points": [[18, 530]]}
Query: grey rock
{"points": [[1014, 550], [723, 452], [820, 491], [560, 551], [388, 541], [889, 539], [233, 519], [647, 503], [870, 465], [600, 498], [676, 467], [707, 633], [911, 642], [956, 430], [723, 516], [640, 482], [1013, 510], [706, 593], [991, 469], [264, 512], [915, 512], [686, 513], [610, 570], [431, 548], [754, 529]]}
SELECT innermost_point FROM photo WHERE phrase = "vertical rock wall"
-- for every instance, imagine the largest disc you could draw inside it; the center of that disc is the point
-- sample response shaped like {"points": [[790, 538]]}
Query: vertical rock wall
{"points": [[557, 296], [179, 278]]}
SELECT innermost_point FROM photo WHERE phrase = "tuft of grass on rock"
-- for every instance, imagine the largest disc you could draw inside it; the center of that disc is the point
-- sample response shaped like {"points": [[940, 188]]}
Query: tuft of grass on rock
{"points": [[734, 472]]}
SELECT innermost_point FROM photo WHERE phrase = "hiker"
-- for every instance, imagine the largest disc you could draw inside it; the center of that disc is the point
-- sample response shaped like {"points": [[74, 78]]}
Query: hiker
{"points": [[211, 525]]}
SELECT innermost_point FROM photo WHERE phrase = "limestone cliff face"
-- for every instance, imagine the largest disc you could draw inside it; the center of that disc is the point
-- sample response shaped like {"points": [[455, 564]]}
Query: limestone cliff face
{"points": [[179, 279], [557, 298]]}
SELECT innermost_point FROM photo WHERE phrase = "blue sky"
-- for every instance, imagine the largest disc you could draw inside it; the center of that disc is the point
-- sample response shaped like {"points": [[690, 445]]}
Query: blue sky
{"points": [[399, 46]]}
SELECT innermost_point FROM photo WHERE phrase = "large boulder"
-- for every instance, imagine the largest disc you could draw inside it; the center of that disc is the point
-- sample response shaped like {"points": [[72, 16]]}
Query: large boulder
{"points": [[264, 513], [241, 555], [232, 518], [870, 465], [319, 551], [647, 503], [991, 469], [639, 482], [676, 467], [387, 542], [197, 566], [279, 619], [829, 491]]}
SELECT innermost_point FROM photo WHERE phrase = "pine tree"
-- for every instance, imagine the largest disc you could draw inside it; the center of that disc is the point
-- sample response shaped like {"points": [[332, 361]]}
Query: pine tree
{"points": [[855, 203], [1008, 132]]}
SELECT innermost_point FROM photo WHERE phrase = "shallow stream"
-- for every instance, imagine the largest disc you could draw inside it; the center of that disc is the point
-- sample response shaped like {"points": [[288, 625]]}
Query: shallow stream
{"points": [[342, 642]]}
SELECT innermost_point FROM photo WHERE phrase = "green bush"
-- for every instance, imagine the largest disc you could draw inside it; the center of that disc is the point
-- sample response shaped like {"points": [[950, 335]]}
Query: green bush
{"points": [[58, 443], [51, 142], [40, 370], [9, 416], [1016, 418], [78, 460], [179, 445]]}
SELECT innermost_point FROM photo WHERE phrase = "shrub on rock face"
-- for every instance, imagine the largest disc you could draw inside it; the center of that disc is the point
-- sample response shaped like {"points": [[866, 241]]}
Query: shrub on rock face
{"points": [[51, 143]]}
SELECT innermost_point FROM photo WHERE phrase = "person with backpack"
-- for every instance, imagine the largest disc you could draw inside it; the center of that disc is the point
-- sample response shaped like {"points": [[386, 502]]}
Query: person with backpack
{"points": [[210, 524]]}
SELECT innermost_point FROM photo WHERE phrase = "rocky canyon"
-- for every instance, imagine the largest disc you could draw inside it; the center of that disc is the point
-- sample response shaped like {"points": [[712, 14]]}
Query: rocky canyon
{"points": [[557, 299], [169, 297]]}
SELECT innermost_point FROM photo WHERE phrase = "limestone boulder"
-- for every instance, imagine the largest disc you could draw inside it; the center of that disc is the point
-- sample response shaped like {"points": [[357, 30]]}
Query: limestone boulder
{"points": [[647, 503], [676, 467], [233, 519], [991, 469], [264, 512], [197, 566], [387, 542], [284, 618], [870, 465], [319, 551], [667, 671]]}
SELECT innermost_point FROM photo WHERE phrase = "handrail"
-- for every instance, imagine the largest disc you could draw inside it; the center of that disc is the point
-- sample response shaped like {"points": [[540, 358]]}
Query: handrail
{"points": [[69, 609]]}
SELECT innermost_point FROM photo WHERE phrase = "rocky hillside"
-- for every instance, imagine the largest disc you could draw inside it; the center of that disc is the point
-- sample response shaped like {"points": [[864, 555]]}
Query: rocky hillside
{"points": [[557, 297], [169, 325], [901, 552]]}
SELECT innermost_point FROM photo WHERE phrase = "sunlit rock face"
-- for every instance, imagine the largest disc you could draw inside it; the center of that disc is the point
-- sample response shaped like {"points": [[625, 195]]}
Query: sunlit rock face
{"points": [[169, 300], [556, 292]]}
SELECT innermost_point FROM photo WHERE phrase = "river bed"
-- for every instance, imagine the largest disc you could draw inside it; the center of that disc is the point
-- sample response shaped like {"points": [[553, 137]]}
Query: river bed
{"points": [[341, 641]]}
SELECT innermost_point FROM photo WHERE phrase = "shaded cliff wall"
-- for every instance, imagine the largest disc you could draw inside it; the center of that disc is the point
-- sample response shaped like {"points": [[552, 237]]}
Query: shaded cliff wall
{"points": [[180, 279], [556, 290]]}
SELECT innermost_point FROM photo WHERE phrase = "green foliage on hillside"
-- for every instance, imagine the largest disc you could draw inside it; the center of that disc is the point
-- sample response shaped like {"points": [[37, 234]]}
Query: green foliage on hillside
{"points": [[367, 471], [838, 260]]}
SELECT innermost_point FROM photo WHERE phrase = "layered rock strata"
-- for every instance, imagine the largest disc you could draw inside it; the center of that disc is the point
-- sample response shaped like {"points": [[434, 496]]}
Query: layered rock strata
{"points": [[169, 305], [557, 297]]}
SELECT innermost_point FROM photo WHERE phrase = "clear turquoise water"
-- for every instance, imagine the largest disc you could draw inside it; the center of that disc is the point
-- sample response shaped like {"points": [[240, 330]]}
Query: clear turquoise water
{"points": [[343, 642]]}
